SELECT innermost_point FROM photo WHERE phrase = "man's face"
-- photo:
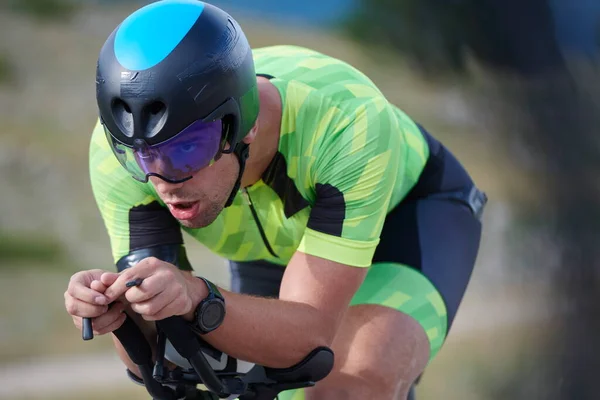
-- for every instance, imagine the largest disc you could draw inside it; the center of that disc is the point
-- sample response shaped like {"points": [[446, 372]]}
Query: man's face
{"points": [[197, 202]]}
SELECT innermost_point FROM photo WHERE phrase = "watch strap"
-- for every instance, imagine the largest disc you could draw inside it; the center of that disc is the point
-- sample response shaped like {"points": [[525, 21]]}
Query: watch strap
{"points": [[213, 290]]}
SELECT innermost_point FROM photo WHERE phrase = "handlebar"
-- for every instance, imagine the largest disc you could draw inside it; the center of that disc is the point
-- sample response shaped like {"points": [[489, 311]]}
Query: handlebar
{"points": [[260, 383]]}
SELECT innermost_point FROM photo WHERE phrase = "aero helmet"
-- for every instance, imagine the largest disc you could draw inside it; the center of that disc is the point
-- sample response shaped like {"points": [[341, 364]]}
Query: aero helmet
{"points": [[176, 88]]}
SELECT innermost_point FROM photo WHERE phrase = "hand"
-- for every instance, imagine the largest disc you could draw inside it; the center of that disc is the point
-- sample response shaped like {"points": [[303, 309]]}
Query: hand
{"points": [[84, 298], [165, 291]]}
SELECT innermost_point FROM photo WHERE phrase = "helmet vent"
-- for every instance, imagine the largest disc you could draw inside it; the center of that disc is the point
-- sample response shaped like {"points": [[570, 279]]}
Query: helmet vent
{"points": [[157, 108], [123, 116], [156, 113]]}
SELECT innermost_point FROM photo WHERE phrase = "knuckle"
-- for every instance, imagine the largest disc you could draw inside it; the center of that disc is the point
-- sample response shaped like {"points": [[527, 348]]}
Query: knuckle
{"points": [[71, 307], [76, 277], [127, 274], [153, 262], [168, 274]]}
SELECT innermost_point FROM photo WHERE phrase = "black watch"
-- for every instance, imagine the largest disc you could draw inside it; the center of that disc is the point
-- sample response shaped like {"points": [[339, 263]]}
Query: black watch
{"points": [[210, 313]]}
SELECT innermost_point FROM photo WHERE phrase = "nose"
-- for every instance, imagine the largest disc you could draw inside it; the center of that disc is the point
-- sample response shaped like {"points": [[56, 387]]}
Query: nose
{"points": [[163, 187]]}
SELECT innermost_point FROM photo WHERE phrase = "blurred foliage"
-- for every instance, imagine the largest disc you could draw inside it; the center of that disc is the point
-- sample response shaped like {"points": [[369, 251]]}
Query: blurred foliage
{"points": [[45, 10], [15, 249], [438, 35], [426, 31], [7, 70]]}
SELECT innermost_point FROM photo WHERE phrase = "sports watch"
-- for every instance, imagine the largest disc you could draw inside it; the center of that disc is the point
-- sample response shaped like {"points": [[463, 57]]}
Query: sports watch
{"points": [[210, 313]]}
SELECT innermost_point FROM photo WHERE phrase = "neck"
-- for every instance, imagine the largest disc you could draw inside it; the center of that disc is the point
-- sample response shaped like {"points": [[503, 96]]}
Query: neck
{"points": [[264, 146]]}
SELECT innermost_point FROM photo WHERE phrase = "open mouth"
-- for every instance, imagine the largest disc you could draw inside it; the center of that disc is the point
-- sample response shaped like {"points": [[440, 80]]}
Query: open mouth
{"points": [[184, 210], [184, 206]]}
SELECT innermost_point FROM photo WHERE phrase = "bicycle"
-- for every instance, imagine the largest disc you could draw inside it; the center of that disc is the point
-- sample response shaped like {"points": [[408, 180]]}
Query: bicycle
{"points": [[259, 383]]}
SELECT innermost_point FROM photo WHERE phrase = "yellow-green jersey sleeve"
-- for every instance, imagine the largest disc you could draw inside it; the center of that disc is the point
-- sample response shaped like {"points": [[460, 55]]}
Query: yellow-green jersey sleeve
{"points": [[353, 186]]}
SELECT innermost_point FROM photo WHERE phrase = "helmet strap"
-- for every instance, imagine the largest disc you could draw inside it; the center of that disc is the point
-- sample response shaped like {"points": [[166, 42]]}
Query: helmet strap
{"points": [[241, 150]]}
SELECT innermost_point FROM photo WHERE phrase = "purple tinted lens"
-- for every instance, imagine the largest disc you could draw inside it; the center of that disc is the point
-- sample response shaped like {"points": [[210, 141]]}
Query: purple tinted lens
{"points": [[125, 157], [183, 155]]}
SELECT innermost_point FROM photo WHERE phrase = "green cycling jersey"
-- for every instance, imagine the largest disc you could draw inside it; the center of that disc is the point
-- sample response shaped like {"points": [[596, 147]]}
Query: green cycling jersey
{"points": [[346, 157]]}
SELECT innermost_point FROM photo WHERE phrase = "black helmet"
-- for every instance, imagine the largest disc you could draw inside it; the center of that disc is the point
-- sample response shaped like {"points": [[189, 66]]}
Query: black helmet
{"points": [[169, 65]]}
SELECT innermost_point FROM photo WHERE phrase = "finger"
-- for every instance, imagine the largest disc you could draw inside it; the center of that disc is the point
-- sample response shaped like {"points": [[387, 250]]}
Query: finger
{"points": [[179, 306], [86, 277], [116, 289], [108, 278], [149, 288], [108, 317], [101, 323], [97, 286], [86, 294], [116, 324], [143, 270], [82, 309], [151, 307]]}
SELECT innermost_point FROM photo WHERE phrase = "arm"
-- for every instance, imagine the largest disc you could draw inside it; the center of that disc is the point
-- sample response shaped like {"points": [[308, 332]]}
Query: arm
{"points": [[353, 187], [279, 333]]}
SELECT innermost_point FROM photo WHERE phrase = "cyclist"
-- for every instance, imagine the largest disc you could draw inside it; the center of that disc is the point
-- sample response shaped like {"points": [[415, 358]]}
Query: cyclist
{"points": [[346, 223]]}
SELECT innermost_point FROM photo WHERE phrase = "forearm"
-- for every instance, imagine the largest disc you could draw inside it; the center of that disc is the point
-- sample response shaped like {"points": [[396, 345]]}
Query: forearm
{"points": [[270, 332]]}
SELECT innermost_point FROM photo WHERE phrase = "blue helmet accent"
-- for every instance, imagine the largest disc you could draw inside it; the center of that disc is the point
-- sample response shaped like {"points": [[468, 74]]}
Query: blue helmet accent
{"points": [[150, 34]]}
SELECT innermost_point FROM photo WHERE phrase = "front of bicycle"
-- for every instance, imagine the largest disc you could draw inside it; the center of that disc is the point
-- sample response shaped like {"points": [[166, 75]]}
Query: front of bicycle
{"points": [[208, 366]]}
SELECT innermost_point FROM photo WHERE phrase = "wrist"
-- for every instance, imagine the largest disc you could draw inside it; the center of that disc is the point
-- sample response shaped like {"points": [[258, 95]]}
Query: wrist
{"points": [[197, 291]]}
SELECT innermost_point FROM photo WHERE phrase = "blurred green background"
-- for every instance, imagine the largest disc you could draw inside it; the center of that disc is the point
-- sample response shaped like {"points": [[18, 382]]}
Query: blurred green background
{"points": [[50, 227]]}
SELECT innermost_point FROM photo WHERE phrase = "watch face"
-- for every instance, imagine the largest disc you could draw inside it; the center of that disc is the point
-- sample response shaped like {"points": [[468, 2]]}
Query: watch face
{"points": [[212, 315]]}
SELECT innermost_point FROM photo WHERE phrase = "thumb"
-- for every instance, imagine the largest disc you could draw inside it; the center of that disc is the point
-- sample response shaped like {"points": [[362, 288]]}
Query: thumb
{"points": [[108, 278]]}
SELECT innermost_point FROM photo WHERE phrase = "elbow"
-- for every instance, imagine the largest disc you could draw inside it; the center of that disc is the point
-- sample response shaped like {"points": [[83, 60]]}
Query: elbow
{"points": [[316, 331], [325, 328], [326, 334], [322, 339], [322, 334], [311, 343]]}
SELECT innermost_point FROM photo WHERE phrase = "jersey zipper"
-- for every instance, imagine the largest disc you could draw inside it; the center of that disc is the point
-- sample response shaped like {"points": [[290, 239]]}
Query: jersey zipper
{"points": [[258, 224]]}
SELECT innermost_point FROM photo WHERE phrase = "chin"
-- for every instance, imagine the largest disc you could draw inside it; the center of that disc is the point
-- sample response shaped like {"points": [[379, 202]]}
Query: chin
{"points": [[205, 217]]}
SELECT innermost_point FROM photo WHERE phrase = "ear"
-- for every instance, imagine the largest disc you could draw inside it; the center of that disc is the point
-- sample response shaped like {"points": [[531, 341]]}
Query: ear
{"points": [[249, 138]]}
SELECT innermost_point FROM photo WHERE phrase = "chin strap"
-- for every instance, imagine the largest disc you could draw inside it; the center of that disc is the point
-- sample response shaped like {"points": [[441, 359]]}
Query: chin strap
{"points": [[242, 151]]}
